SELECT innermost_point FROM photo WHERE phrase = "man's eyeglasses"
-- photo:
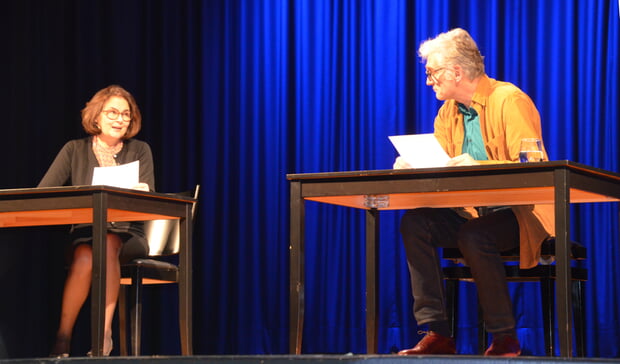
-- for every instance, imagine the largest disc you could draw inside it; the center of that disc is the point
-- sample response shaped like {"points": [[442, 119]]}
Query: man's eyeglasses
{"points": [[430, 74], [113, 114]]}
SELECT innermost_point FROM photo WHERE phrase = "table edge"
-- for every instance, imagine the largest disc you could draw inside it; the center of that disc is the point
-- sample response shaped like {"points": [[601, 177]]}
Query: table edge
{"points": [[86, 190], [483, 168]]}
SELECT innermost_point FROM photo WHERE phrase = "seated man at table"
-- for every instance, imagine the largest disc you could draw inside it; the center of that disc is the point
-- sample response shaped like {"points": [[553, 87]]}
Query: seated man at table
{"points": [[481, 121]]}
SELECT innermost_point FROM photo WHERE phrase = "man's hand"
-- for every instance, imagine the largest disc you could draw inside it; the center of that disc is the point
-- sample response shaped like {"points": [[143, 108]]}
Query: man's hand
{"points": [[141, 186], [400, 163], [463, 160]]}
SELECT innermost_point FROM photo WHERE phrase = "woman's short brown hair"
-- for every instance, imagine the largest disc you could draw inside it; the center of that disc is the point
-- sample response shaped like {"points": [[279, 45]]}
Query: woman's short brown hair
{"points": [[92, 111]]}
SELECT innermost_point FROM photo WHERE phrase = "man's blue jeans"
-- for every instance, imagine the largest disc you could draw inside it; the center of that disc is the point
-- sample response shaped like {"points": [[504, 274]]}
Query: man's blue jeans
{"points": [[480, 240]]}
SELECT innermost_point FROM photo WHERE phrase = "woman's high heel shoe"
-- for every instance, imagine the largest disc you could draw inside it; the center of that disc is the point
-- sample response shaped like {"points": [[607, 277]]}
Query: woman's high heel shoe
{"points": [[59, 355], [61, 348], [106, 351]]}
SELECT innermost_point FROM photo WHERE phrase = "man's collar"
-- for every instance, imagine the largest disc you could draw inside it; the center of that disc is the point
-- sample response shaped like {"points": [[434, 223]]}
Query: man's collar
{"points": [[483, 90], [466, 111]]}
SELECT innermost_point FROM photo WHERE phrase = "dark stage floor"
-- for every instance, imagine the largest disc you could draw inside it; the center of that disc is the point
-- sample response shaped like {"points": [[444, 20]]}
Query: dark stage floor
{"points": [[306, 359]]}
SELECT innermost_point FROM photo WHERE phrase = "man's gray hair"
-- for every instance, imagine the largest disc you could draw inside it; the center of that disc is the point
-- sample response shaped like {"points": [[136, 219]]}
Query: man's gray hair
{"points": [[455, 47]]}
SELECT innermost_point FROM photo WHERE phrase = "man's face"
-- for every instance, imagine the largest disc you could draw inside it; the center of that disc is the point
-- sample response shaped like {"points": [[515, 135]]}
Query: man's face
{"points": [[439, 77]]}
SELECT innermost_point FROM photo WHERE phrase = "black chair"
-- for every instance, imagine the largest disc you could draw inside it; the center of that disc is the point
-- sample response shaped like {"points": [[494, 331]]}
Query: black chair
{"points": [[544, 273], [163, 239]]}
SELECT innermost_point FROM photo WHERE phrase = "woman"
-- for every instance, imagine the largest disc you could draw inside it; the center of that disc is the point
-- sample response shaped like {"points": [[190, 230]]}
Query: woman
{"points": [[111, 118]]}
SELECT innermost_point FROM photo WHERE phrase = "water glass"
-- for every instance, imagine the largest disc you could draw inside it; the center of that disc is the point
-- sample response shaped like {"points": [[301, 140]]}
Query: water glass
{"points": [[531, 150]]}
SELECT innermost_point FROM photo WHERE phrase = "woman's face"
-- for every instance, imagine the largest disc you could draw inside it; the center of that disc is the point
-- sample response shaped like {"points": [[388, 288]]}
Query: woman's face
{"points": [[114, 120]]}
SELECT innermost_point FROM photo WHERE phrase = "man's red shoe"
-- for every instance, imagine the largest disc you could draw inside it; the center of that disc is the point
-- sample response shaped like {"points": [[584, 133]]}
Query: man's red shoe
{"points": [[504, 345], [432, 344]]}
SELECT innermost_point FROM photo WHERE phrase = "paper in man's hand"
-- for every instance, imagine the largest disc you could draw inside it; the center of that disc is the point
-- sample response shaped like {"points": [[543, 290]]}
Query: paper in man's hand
{"points": [[420, 150], [124, 176]]}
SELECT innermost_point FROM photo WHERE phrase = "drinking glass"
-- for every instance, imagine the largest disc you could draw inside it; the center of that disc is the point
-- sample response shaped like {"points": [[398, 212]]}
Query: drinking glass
{"points": [[531, 150]]}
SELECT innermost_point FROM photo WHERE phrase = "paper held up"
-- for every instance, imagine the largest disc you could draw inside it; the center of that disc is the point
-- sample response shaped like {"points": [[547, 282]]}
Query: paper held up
{"points": [[124, 176], [420, 150]]}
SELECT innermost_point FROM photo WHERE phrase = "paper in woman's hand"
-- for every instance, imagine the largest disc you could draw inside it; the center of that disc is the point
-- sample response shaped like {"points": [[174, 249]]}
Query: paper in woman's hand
{"points": [[124, 176], [420, 150]]}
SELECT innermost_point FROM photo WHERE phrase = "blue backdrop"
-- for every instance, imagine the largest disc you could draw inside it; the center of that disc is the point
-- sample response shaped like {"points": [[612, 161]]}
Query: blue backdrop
{"points": [[236, 94]]}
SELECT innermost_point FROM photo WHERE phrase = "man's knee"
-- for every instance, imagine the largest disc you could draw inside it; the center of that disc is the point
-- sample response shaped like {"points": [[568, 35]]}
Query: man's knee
{"points": [[414, 220], [468, 237]]}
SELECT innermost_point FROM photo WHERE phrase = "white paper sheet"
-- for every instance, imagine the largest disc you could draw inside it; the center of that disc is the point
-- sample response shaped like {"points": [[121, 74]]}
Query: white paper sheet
{"points": [[420, 150], [124, 176]]}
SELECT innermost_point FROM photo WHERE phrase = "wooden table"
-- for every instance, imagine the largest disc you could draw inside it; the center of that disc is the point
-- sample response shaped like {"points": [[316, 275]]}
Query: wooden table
{"points": [[98, 205], [557, 182]]}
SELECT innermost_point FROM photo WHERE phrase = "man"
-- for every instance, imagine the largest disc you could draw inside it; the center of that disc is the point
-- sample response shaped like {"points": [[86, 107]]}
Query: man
{"points": [[481, 121]]}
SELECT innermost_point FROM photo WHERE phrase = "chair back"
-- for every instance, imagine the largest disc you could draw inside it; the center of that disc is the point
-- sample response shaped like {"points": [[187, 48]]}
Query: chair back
{"points": [[163, 235]]}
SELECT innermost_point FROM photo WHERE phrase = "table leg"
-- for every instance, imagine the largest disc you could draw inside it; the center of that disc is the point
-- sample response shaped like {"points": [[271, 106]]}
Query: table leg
{"points": [[372, 281], [296, 251], [185, 282], [98, 280], [562, 256]]}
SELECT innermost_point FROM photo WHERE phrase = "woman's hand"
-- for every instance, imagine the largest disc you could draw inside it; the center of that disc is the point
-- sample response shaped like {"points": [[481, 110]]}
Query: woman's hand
{"points": [[141, 186], [463, 160], [400, 163]]}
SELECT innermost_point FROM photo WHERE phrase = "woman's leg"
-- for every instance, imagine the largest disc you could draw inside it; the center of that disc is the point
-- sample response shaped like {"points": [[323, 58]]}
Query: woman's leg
{"points": [[113, 282], [77, 288]]}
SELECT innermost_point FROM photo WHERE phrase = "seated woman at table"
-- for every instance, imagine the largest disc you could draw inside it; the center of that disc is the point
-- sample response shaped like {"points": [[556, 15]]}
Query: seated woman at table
{"points": [[111, 118]]}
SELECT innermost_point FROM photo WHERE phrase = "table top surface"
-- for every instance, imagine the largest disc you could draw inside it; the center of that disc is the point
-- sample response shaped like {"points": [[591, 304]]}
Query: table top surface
{"points": [[462, 186], [74, 205], [86, 190], [444, 171]]}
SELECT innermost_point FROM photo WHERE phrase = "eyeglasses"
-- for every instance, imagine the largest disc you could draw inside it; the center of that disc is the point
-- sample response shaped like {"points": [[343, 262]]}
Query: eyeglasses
{"points": [[113, 114], [430, 74]]}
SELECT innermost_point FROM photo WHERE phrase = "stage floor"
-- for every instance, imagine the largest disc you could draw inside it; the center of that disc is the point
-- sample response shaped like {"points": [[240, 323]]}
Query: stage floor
{"points": [[307, 359]]}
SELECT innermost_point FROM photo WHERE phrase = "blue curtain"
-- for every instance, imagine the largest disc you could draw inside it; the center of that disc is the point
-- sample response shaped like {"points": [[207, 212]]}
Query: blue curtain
{"points": [[318, 86], [236, 94], [322, 84]]}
